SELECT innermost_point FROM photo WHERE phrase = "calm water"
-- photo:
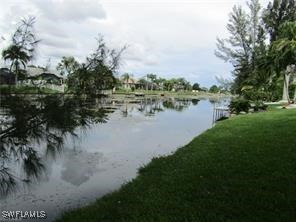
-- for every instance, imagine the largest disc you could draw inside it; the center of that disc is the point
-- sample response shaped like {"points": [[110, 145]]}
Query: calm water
{"points": [[61, 153]]}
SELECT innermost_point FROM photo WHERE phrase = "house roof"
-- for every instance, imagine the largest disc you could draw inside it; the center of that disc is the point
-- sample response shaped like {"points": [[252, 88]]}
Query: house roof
{"points": [[130, 81], [37, 71], [5, 72], [50, 75], [6, 77]]}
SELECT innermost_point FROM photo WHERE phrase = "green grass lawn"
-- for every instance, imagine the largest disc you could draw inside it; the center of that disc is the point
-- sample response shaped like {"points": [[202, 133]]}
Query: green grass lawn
{"points": [[243, 169]]}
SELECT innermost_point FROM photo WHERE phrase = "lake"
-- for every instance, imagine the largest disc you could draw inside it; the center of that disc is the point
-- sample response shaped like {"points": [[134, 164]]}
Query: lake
{"points": [[59, 153]]}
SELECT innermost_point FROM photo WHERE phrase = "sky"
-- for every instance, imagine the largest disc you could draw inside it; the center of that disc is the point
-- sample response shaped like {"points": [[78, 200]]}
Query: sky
{"points": [[170, 38]]}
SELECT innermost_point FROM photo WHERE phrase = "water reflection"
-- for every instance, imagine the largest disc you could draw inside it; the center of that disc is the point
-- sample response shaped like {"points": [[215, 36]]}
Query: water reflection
{"points": [[152, 106], [80, 166], [34, 129]]}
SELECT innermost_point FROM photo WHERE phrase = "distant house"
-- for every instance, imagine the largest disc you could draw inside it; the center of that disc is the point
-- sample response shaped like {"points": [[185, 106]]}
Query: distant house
{"points": [[50, 76], [41, 77], [34, 76], [6, 77], [44, 78], [130, 83]]}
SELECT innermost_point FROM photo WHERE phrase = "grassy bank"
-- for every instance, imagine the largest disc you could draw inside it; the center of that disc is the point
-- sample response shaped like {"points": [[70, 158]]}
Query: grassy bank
{"points": [[241, 170]]}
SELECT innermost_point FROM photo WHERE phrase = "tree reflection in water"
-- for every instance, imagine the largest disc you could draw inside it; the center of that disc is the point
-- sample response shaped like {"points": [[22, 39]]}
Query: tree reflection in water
{"points": [[33, 128], [179, 104], [29, 123], [151, 106]]}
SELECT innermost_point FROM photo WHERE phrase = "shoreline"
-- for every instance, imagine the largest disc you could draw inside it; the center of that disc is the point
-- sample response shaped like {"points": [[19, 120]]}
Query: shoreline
{"points": [[214, 96], [231, 172]]}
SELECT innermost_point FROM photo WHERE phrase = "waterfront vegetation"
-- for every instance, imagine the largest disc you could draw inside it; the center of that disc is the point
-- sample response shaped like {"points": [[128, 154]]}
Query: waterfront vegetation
{"points": [[261, 47], [243, 169]]}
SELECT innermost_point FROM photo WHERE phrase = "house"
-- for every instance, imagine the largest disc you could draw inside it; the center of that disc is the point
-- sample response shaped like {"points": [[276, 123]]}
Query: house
{"points": [[45, 78], [130, 83], [38, 76], [6, 77]]}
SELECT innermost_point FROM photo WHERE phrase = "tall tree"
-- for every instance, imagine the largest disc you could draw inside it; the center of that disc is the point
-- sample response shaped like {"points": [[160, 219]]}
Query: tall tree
{"points": [[23, 45], [277, 13], [245, 44], [284, 53], [236, 48]]}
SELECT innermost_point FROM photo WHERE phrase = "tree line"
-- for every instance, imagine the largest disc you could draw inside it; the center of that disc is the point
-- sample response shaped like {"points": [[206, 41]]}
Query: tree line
{"points": [[96, 73], [155, 82], [261, 46]]}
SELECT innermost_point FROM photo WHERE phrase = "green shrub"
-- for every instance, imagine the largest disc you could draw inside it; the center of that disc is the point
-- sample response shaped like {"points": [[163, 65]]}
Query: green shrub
{"points": [[272, 93], [238, 105], [259, 105]]}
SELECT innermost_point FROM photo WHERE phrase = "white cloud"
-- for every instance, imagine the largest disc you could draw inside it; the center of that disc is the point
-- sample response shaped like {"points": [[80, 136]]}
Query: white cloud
{"points": [[168, 37], [70, 10]]}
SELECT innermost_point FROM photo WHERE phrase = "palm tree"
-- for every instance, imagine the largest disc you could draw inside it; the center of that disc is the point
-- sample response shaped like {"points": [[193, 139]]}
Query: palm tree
{"points": [[17, 56], [284, 53], [22, 48]]}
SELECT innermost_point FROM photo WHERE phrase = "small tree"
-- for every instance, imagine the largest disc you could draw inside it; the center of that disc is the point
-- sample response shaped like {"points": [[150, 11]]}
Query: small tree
{"points": [[152, 78], [143, 83], [170, 84], [196, 86], [68, 65], [98, 71], [160, 83], [214, 89]]}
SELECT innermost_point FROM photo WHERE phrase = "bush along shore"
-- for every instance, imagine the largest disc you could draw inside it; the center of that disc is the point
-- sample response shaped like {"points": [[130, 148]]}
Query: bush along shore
{"points": [[243, 169]]}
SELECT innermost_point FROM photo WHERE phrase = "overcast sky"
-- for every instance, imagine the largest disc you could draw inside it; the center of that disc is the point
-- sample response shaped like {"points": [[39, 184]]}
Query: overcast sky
{"points": [[171, 38]]}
